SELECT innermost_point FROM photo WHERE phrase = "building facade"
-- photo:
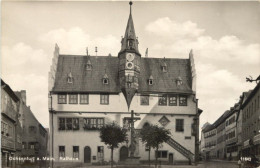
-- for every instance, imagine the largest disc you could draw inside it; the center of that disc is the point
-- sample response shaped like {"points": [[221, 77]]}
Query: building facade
{"points": [[238, 129], [10, 127], [251, 123], [221, 136], [86, 92], [34, 135], [210, 140], [231, 133]]}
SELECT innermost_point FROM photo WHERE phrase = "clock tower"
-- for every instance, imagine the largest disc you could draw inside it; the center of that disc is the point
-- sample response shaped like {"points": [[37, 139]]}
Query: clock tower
{"points": [[129, 61]]}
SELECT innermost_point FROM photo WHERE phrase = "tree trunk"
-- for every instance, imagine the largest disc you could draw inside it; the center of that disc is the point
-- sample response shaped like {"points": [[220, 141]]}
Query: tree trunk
{"points": [[112, 150], [156, 158], [149, 157]]}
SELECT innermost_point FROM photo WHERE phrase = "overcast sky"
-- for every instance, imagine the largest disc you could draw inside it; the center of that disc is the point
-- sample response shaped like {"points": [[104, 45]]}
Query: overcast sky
{"points": [[224, 36]]}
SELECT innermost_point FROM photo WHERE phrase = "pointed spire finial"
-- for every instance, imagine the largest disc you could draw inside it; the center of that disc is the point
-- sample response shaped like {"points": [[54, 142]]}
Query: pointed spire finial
{"points": [[130, 3]]}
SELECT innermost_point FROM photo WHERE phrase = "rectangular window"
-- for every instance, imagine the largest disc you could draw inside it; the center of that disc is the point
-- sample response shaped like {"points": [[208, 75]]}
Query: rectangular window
{"points": [[179, 125], [84, 98], [162, 100], [73, 99], [76, 152], [100, 153], [68, 124], [4, 128], [145, 100], [162, 154], [104, 99], [24, 145], [183, 101], [172, 100], [61, 123], [62, 98], [75, 123], [93, 123], [32, 130], [62, 151], [31, 145]]}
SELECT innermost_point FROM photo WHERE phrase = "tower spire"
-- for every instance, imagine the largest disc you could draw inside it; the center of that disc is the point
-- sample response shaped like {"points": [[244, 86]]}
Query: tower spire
{"points": [[130, 41]]}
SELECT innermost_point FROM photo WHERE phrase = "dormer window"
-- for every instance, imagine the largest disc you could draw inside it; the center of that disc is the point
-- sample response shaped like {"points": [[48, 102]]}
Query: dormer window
{"points": [[179, 81], [150, 80], [105, 80], [70, 78], [89, 66], [164, 66]]}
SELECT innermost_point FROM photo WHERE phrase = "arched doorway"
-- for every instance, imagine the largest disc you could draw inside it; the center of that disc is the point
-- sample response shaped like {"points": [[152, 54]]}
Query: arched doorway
{"points": [[87, 154], [123, 153]]}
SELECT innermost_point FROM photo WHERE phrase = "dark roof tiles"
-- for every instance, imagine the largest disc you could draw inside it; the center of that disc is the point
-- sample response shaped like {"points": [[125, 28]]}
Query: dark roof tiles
{"points": [[91, 80]]}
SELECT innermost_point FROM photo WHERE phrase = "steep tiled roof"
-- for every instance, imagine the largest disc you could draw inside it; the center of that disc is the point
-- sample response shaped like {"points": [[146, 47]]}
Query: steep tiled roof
{"points": [[86, 80], [91, 80], [165, 81]]}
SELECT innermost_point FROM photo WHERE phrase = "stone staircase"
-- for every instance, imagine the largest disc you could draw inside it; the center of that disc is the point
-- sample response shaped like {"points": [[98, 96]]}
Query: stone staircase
{"points": [[185, 152]]}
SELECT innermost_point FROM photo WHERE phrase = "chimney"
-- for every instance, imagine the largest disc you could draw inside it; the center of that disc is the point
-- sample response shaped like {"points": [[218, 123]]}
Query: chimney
{"points": [[23, 96]]}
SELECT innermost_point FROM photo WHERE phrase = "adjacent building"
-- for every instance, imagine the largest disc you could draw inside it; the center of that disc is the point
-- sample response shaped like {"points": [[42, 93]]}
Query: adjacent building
{"points": [[251, 123], [11, 133], [238, 130], [35, 136], [86, 92], [21, 133]]}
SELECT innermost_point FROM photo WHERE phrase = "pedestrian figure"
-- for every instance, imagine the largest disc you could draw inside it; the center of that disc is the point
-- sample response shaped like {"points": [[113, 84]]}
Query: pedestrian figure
{"points": [[239, 163]]}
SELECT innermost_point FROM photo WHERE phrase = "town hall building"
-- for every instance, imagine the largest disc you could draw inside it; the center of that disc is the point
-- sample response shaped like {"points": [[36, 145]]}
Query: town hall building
{"points": [[86, 92]]}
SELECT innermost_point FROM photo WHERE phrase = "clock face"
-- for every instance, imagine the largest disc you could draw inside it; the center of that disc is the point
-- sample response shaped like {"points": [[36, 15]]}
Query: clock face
{"points": [[130, 56], [129, 65]]}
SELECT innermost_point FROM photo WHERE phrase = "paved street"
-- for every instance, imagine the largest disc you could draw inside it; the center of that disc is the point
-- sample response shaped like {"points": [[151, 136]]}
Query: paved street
{"points": [[212, 164], [218, 165]]}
